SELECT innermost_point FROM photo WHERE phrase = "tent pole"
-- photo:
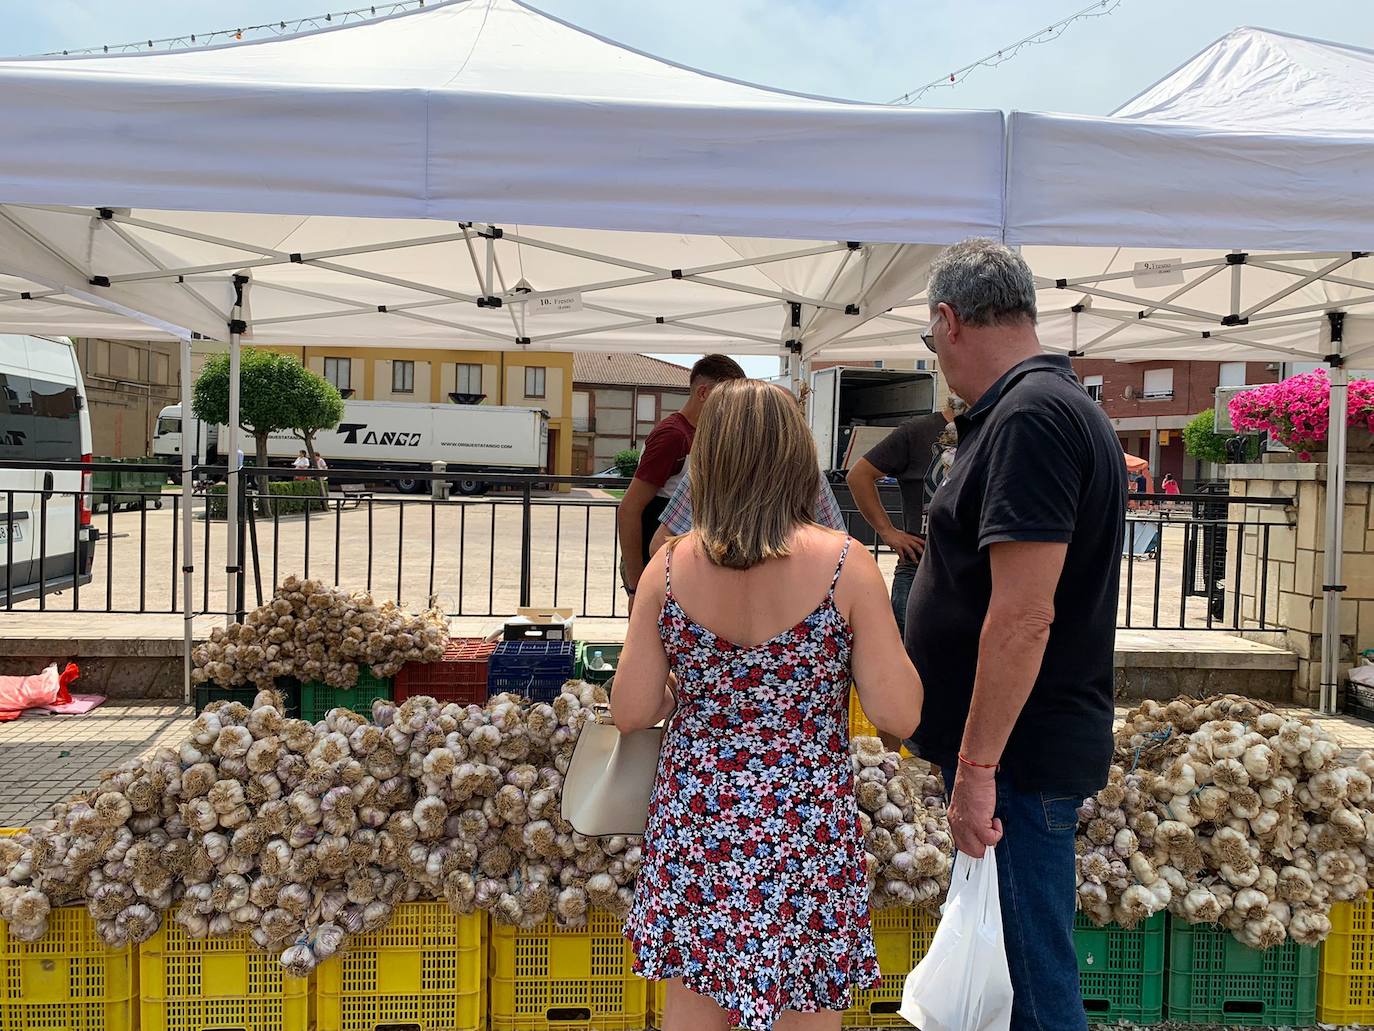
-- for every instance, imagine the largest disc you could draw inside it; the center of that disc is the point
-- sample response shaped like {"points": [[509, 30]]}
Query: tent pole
{"points": [[1332, 584], [190, 451], [231, 455]]}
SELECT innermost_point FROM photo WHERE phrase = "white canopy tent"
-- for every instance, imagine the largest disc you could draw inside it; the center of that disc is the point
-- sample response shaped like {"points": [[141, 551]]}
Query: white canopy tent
{"points": [[470, 174], [426, 179], [1222, 214]]}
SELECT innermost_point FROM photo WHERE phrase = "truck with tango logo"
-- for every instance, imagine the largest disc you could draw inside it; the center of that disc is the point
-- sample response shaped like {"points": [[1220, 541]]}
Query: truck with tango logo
{"points": [[388, 439]]}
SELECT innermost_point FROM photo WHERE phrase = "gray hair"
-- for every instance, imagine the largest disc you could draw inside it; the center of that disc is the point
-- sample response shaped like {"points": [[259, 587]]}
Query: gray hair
{"points": [[985, 282]]}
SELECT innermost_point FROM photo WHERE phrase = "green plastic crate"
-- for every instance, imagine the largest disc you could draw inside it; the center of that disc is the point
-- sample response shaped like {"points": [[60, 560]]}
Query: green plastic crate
{"points": [[609, 652], [1214, 979], [317, 699], [1121, 971], [245, 693]]}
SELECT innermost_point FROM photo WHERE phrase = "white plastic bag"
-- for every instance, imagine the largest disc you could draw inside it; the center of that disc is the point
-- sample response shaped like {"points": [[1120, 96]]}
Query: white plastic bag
{"points": [[963, 983]]}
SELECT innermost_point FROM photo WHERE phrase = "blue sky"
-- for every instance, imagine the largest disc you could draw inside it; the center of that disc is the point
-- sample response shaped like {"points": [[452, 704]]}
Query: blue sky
{"points": [[861, 49]]}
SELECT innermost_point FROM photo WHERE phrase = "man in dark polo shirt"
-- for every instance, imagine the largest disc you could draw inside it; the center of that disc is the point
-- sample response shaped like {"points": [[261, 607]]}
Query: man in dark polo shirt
{"points": [[1012, 617], [907, 454]]}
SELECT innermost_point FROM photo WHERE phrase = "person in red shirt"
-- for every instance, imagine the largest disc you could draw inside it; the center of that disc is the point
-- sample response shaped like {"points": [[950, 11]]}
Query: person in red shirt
{"points": [[661, 465]]}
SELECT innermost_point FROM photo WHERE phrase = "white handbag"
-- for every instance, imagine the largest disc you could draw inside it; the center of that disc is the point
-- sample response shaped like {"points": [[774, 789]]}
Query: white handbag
{"points": [[610, 778]]}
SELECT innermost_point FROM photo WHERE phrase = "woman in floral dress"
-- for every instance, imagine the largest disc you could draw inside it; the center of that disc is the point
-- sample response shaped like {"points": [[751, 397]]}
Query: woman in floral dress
{"points": [[752, 900]]}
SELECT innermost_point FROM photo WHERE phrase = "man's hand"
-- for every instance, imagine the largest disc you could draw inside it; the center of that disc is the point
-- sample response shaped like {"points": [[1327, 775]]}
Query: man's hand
{"points": [[971, 807], [906, 545]]}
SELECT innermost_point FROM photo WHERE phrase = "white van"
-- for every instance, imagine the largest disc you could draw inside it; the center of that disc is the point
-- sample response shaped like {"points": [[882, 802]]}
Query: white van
{"points": [[46, 537]]}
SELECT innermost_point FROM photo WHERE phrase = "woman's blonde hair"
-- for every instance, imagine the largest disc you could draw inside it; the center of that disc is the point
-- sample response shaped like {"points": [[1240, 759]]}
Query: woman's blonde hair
{"points": [[753, 473]]}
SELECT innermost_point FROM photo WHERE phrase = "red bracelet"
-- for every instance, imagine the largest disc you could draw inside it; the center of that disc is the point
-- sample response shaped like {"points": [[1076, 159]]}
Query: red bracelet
{"points": [[978, 766]]}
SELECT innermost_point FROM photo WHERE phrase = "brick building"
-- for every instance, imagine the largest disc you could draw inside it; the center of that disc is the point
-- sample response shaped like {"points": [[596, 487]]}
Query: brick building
{"points": [[1149, 403], [617, 400]]}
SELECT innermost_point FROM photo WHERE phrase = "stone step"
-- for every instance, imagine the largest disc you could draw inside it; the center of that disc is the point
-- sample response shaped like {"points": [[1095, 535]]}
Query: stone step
{"points": [[1163, 664], [133, 656]]}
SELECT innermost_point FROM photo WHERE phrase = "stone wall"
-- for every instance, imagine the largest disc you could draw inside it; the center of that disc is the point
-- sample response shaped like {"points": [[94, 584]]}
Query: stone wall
{"points": [[1287, 590]]}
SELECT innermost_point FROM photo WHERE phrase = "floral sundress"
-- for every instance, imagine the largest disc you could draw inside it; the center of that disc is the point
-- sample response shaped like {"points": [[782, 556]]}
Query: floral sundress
{"points": [[753, 887]]}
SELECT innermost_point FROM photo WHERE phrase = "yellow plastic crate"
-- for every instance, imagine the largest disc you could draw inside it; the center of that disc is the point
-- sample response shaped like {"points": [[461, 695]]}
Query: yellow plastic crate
{"points": [[224, 984], [69, 980], [424, 971], [903, 937], [1345, 982], [859, 724], [552, 978]]}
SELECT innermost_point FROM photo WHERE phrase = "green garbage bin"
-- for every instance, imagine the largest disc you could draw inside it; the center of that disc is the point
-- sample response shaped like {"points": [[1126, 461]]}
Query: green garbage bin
{"points": [[104, 483]]}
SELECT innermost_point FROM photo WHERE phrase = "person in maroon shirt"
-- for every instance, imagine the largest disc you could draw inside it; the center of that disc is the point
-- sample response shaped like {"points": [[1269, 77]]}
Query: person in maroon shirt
{"points": [[661, 465]]}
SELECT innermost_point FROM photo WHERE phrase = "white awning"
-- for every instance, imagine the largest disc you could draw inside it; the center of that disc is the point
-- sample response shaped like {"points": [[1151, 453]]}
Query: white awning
{"points": [[376, 180]]}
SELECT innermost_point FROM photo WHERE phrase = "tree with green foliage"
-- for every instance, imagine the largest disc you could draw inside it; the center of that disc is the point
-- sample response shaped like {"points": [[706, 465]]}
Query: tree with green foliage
{"points": [[626, 462], [1202, 441], [276, 395]]}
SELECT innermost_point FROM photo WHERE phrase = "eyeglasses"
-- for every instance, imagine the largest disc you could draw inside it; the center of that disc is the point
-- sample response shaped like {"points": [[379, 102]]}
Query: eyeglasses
{"points": [[928, 337]]}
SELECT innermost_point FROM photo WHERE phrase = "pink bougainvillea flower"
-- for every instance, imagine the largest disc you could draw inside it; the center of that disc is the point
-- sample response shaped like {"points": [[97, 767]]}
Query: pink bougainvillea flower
{"points": [[1297, 410]]}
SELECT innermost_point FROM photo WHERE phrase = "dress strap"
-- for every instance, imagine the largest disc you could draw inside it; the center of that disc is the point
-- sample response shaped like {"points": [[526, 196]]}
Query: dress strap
{"points": [[839, 567], [668, 570]]}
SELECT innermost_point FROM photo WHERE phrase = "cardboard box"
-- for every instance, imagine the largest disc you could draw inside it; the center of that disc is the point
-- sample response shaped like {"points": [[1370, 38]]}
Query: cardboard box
{"points": [[535, 624]]}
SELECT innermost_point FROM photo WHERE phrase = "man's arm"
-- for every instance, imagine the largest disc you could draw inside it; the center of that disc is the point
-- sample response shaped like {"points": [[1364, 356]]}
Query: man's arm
{"points": [[630, 527], [1025, 575], [863, 484]]}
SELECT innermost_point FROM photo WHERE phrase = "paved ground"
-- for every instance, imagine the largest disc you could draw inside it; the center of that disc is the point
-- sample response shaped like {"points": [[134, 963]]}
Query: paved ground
{"points": [[45, 759], [464, 553]]}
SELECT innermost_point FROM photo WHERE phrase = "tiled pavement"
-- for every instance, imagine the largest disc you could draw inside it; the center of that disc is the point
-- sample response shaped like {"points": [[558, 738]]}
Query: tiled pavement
{"points": [[45, 759]]}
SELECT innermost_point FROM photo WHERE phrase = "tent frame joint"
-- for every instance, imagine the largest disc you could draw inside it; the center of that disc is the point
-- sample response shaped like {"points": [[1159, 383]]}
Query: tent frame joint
{"points": [[1237, 258], [1338, 588], [489, 302], [1235, 320], [851, 309], [100, 281]]}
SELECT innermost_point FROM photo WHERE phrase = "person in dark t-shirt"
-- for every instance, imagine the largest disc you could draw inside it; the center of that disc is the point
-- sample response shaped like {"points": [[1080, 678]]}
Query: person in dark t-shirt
{"points": [[1011, 621], [908, 454], [661, 465]]}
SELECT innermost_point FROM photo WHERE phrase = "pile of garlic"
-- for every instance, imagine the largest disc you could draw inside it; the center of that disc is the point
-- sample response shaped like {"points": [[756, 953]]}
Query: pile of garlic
{"points": [[1225, 811], [301, 834], [907, 844], [314, 632]]}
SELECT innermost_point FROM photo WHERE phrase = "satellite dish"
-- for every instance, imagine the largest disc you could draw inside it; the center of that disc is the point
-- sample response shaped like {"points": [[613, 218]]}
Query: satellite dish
{"points": [[1128, 393]]}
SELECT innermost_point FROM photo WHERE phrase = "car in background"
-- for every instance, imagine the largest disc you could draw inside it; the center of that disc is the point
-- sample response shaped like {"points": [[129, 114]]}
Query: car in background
{"points": [[47, 542]]}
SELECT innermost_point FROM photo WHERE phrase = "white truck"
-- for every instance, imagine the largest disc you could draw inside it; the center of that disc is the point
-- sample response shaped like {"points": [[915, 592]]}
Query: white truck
{"points": [[389, 439], [851, 409], [47, 542]]}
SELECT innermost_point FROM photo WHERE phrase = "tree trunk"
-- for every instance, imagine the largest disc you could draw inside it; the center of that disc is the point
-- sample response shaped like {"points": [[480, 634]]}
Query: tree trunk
{"points": [[264, 491], [309, 439]]}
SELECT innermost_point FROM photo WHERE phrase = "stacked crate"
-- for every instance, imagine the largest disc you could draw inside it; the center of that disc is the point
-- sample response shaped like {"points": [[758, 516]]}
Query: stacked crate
{"points": [[318, 698], [460, 676]]}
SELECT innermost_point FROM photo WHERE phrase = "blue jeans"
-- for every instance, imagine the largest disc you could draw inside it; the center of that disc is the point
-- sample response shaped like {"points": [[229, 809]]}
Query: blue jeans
{"points": [[1036, 882], [901, 591]]}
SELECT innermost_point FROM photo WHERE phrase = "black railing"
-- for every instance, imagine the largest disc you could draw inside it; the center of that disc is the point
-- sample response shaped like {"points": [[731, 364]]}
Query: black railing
{"points": [[525, 542]]}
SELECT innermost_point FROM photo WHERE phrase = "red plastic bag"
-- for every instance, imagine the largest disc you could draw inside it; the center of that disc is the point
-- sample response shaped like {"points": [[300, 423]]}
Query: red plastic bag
{"points": [[46, 688]]}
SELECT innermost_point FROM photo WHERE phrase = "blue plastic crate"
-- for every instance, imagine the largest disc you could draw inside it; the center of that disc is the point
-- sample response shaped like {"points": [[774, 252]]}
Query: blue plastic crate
{"points": [[536, 670]]}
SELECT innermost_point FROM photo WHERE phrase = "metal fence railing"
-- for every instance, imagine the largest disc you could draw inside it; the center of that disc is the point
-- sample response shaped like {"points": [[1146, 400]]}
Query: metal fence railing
{"points": [[539, 539]]}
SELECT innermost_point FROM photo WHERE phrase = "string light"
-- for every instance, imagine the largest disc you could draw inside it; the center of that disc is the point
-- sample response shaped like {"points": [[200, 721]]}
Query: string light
{"points": [[265, 30], [1053, 32]]}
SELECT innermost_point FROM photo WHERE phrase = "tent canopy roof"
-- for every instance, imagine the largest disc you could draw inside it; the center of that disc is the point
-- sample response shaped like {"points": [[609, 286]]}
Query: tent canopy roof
{"points": [[1258, 80], [1218, 215], [357, 175]]}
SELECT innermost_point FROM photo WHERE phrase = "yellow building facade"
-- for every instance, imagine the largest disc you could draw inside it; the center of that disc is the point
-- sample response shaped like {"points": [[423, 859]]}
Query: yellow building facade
{"points": [[433, 375]]}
